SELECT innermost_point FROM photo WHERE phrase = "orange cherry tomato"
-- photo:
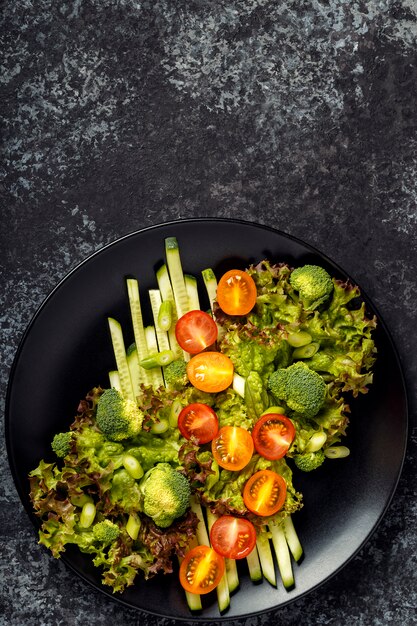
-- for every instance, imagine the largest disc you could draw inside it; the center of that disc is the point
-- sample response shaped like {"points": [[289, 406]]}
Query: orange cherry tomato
{"points": [[195, 331], [210, 371], [201, 570], [236, 292], [232, 447], [233, 537], [272, 435], [265, 492], [198, 420]]}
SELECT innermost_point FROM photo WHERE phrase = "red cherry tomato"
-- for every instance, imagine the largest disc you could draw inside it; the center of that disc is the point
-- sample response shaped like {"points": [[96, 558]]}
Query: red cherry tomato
{"points": [[272, 435], [210, 371], [198, 420], [265, 492], [233, 537], [195, 331], [232, 447], [201, 570], [236, 292]]}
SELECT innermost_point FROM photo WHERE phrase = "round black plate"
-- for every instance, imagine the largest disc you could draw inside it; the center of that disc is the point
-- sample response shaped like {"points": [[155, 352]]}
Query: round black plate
{"points": [[66, 351]]}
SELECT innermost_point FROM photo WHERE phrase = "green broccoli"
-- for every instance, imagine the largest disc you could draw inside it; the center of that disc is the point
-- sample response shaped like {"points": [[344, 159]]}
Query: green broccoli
{"points": [[175, 375], [166, 494], [106, 532], [117, 417], [61, 444], [313, 283], [303, 390], [309, 461]]}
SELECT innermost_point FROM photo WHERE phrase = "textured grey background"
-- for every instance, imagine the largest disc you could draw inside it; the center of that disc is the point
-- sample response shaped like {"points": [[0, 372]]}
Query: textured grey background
{"points": [[119, 114]]}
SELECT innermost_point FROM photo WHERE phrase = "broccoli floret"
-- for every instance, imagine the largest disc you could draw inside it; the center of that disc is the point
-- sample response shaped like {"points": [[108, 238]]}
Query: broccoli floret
{"points": [[117, 417], [309, 460], [313, 283], [61, 444], [175, 375], [166, 494], [303, 390], [106, 532]]}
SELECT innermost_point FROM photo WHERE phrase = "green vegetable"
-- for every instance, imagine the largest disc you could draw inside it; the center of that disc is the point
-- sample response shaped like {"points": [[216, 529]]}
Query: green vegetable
{"points": [[303, 390], [175, 374], [309, 460], [106, 532], [165, 315], [61, 444], [313, 283], [117, 417], [157, 359], [124, 491], [166, 494], [256, 397]]}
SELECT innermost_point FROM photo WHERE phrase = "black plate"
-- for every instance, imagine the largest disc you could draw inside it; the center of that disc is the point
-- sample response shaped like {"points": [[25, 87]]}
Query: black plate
{"points": [[66, 350]]}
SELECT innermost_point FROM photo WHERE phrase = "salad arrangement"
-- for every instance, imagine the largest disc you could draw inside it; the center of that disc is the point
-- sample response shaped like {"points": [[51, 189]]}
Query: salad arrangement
{"points": [[184, 461]]}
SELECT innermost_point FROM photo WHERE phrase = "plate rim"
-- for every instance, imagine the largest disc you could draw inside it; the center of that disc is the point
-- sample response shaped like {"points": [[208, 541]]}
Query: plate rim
{"points": [[215, 220]]}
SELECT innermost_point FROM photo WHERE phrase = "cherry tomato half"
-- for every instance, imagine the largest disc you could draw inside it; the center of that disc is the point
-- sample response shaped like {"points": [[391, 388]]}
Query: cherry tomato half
{"points": [[232, 447], [198, 420], [233, 537], [201, 570], [236, 292], [272, 435], [210, 371], [265, 492], [195, 331]]}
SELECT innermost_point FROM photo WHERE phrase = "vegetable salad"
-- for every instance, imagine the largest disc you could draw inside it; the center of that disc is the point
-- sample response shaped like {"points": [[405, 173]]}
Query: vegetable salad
{"points": [[186, 460]]}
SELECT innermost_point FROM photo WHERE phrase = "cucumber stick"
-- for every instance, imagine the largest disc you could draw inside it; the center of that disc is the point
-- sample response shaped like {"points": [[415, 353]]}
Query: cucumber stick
{"points": [[152, 345], [121, 359], [210, 283], [114, 380], [254, 566], [165, 288], [137, 323], [266, 558], [193, 599], [231, 567], [192, 292], [222, 589], [282, 553], [172, 253], [161, 335], [293, 541], [136, 372]]}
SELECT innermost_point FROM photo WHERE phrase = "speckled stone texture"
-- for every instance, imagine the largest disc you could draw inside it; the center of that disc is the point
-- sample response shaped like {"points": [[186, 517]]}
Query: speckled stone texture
{"points": [[118, 114]]}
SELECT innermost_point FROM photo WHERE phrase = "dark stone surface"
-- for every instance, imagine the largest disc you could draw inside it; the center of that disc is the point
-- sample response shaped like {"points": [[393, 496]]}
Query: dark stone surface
{"points": [[300, 115]]}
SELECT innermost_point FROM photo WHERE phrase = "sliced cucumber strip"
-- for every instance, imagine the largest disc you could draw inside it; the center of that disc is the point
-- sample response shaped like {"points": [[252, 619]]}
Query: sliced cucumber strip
{"points": [[201, 532], [254, 566], [266, 558], [172, 253], [232, 575], [120, 356], [282, 553], [293, 541], [114, 380], [167, 295], [136, 375], [137, 323], [210, 283], [193, 599], [152, 345], [222, 589], [192, 292]]}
